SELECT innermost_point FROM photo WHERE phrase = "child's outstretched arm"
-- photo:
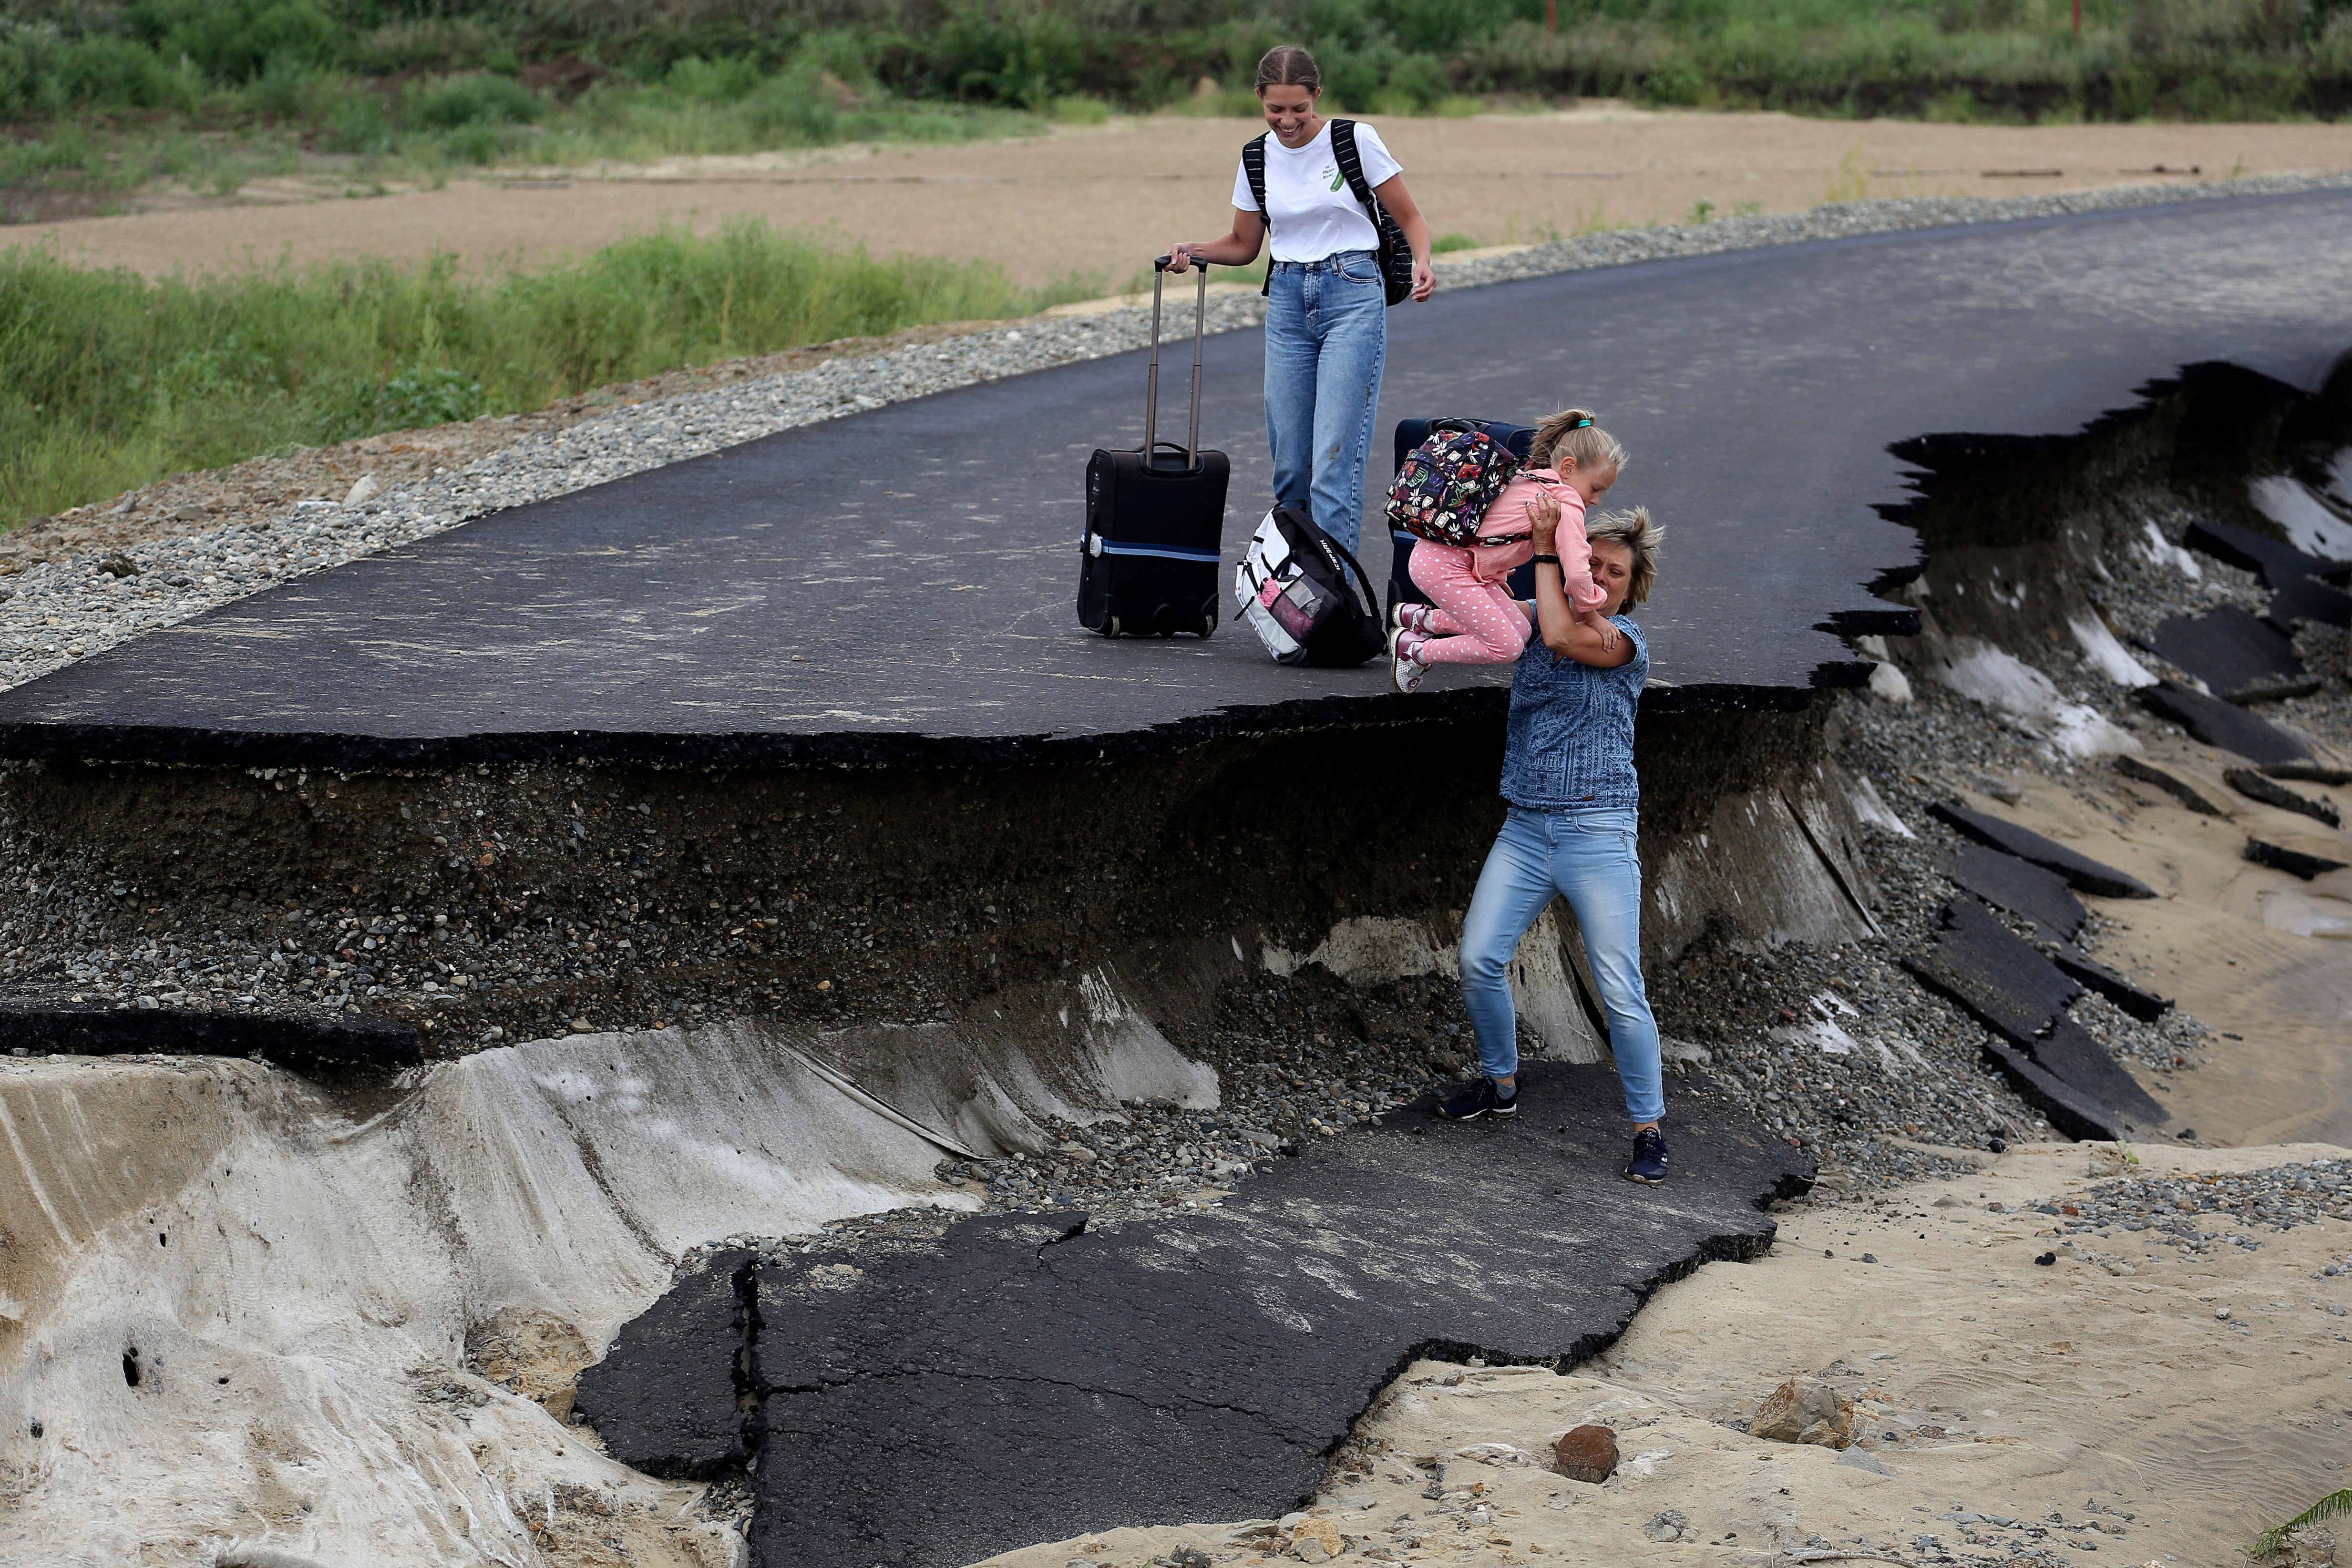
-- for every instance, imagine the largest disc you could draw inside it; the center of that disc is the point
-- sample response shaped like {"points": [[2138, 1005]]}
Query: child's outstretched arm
{"points": [[1585, 636], [1575, 552]]}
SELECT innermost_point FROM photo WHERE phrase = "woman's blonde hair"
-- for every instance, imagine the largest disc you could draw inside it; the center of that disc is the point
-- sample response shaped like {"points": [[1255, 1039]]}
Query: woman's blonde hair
{"points": [[1571, 433], [1640, 536], [1288, 64]]}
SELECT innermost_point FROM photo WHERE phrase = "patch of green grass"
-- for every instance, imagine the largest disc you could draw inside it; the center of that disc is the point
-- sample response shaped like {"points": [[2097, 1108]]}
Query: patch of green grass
{"points": [[1444, 243], [109, 381]]}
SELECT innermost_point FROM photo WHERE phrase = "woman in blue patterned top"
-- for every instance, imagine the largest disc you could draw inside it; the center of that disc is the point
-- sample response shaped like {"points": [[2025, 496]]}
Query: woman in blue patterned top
{"points": [[1568, 775]]}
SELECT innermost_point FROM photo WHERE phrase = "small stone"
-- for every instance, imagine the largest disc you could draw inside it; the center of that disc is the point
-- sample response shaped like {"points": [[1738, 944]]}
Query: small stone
{"points": [[1669, 1525], [1316, 1541], [366, 488], [191, 514], [2000, 789], [1805, 1410], [1860, 1461], [2223, 1313], [118, 565], [1870, 1257], [1586, 1454], [2046, 1259]]}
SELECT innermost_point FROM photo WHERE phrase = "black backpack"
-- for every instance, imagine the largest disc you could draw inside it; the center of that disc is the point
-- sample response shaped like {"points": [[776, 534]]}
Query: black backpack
{"points": [[1395, 250], [1293, 587]]}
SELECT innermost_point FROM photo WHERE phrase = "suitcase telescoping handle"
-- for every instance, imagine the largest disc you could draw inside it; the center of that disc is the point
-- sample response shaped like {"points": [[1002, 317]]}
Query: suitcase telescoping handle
{"points": [[1151, 380]]}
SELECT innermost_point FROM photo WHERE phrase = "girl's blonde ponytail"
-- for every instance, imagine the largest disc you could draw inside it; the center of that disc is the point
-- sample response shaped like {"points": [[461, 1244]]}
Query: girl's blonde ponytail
{"points": [[1571, 433]]}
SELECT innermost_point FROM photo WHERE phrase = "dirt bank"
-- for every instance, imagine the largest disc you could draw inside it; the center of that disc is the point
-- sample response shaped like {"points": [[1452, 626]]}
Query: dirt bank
{"points": [[2094, 1410], [1101, 200]]}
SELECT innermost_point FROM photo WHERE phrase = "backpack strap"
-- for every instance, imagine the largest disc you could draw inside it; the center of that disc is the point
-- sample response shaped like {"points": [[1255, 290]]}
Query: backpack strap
{"points": [[1316, 532], [1352, 164], [1253, 166]]}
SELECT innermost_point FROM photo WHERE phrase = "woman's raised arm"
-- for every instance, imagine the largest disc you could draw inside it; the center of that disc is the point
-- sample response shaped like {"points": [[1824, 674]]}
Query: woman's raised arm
{"points": [[1238, 249], [1587, 637]]}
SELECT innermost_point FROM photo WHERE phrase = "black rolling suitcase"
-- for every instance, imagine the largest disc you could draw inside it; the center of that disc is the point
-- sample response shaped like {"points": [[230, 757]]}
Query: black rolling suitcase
{"points": [[1412, 433], [1156, 518]]}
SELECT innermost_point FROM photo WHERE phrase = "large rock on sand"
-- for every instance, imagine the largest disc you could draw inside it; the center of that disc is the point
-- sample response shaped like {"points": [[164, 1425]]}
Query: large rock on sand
{"points": [[1586, 1454], [1805, 1410]]}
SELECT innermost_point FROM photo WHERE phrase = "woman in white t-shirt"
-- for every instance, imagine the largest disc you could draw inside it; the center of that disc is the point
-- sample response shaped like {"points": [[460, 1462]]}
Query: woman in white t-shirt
{"points": [[1327, 330]]}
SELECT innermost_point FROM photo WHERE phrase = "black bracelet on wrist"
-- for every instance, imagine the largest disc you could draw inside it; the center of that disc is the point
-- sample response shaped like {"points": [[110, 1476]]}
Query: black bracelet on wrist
{"points": [[1553, 559]]}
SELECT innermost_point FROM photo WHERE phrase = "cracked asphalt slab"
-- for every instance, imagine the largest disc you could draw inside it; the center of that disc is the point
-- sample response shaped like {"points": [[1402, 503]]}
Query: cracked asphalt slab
{"points": [[1025, 1376]]}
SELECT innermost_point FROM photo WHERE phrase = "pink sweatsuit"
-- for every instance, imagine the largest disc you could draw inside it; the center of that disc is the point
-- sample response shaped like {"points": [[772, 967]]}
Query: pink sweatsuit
{"points": [[1477, 622]]}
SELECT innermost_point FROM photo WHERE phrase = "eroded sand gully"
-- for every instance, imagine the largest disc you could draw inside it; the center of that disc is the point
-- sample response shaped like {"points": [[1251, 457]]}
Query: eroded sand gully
{"points": [[1112, 196]]}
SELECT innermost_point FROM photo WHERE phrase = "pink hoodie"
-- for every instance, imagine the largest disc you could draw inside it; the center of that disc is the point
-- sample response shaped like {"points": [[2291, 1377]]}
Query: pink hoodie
{"points": [[1506, 520]]}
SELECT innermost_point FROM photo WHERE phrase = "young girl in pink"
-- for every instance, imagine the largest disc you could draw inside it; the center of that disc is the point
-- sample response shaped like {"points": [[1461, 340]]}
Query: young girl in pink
{"points": [[1474, 619]]}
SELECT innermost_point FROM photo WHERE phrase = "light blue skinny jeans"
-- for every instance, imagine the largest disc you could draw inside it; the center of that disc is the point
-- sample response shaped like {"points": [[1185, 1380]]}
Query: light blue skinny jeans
{"points": [[1589, 857], [1327, 340]]}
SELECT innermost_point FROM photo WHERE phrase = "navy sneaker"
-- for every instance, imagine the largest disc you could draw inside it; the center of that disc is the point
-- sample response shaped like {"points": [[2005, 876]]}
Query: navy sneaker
{"points": [[1649, 1161], [1481, 1099]]}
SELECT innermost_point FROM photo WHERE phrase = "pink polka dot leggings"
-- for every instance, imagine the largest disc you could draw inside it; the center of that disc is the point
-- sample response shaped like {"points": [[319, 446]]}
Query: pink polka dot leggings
{"points": [[1474, 623]]}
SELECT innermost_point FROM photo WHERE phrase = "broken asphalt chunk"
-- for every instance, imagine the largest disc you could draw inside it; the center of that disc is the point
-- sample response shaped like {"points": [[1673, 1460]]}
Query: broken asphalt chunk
{"points": [[2079, 966], [2255, 786], [2020, 886], [2000, 980], [668, 1397], [2310, 770], [2304, 860], [46, 1020], [2181, 789], [2276, 562], [2239, 656], [1995, 975], [2082, 873], [2225, 725], [2075, 1056], [2065, 1107], [2308, 598]]}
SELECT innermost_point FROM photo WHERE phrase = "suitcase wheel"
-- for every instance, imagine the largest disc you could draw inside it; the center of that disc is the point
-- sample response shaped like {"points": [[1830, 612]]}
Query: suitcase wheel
{"points": [[1110, 627], [1208, 624]]}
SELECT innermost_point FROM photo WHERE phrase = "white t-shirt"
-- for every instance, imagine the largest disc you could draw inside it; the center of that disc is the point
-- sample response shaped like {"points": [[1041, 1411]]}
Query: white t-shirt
{"points": [[1307, 203]]}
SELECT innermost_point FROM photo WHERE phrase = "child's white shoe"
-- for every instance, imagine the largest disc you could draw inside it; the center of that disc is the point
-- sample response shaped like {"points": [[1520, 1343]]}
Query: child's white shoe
{"points": [[1408, 616], [1405, 669]]}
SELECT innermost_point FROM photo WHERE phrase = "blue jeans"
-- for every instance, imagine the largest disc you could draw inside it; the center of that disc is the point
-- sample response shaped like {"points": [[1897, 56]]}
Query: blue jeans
{"points": [[1326, 340], [1589, 856]]}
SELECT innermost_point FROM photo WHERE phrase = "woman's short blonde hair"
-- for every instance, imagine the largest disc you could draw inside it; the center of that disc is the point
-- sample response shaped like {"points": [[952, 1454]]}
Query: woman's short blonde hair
{"points": [[1640, 536]]}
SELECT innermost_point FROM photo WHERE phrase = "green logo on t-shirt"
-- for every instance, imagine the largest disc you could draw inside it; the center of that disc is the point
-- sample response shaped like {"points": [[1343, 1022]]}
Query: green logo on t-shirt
{"points": [[1337, 180]]}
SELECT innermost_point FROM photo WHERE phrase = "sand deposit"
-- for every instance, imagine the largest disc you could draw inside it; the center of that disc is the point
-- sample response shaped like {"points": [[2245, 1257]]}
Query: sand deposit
{"points": [[2141, 1404]]}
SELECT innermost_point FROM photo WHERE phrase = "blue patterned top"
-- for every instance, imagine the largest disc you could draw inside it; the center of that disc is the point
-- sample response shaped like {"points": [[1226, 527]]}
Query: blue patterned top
{"points": [[1570, 737]]}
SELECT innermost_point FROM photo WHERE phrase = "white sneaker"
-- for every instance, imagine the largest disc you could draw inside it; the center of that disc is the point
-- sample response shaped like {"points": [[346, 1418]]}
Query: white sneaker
{"points": [[1404, 670]]}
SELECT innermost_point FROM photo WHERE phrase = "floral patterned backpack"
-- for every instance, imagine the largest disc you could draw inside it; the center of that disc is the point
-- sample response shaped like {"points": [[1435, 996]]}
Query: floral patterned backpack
{"points": [[1445, 485]]}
